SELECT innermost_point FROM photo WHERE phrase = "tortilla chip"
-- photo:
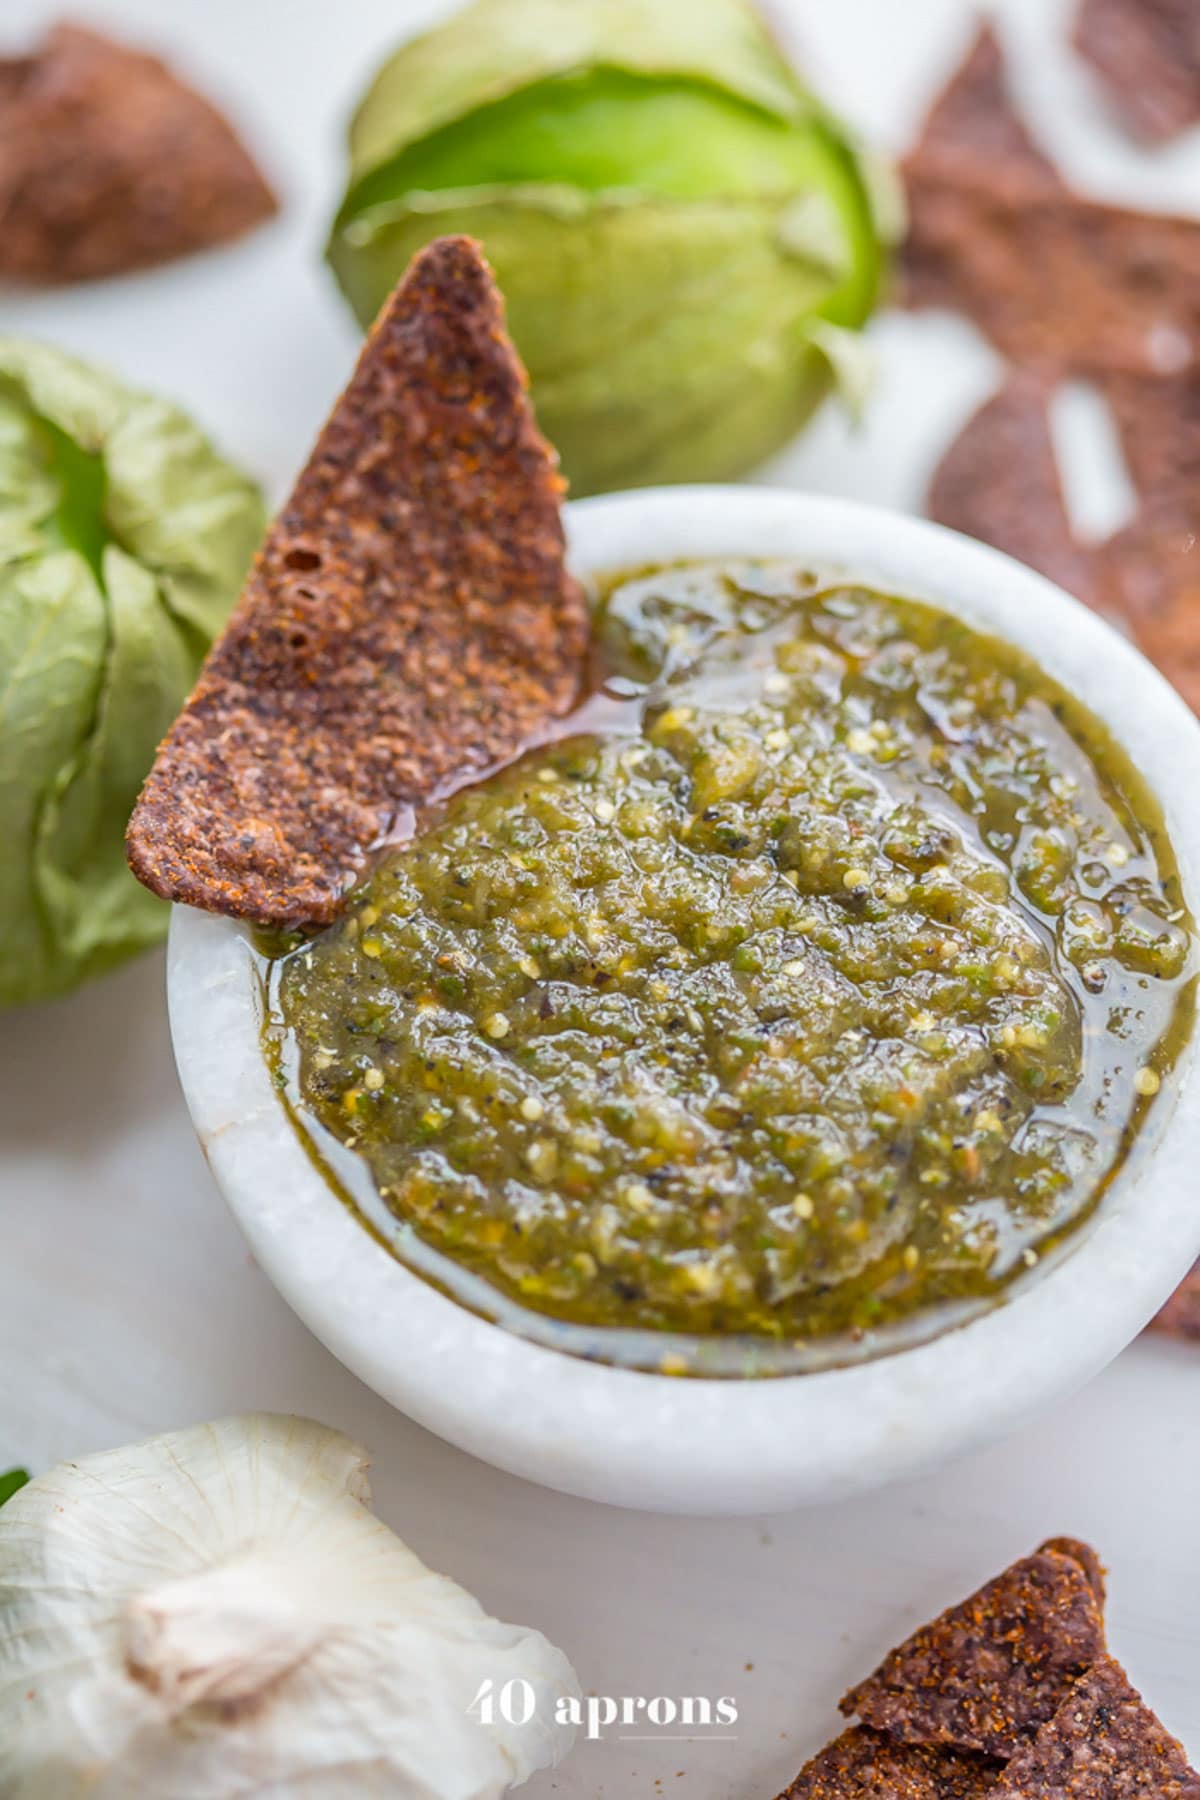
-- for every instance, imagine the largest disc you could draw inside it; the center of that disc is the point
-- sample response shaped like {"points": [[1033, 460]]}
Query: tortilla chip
{"points": [[1088, 1560], [1065, 287], [1054, 280], [1147, 53], [1159, 426], [973, 130], [862, 1765], [108, 163], [999, 482], [1073, 286], [972, 138], [1103, 1743], [988, 1674], [1150, 575], [1180, 1317], [408, 622]]}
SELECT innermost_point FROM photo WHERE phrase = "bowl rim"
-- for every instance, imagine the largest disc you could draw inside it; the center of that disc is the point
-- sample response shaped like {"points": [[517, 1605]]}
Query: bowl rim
{"points": [[711, 1445]]}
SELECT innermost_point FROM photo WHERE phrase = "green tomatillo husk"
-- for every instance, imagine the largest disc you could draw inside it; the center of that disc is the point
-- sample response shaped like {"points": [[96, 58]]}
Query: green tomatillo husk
{"points": [[124, 538], [687, 241]]}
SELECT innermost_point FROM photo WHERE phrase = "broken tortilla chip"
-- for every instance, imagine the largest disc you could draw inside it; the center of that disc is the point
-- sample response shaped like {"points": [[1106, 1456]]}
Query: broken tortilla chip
{"points": [[988, 1673], [1103, 1743], [1180, 1317], [108, 162], [999, 482], [408, 622], [1147, 53], [1054, 280], [863, 1765]]}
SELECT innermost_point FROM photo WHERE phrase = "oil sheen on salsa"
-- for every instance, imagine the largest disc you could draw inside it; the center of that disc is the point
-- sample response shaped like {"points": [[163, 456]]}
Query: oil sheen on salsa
{"points": [[819, 974]]}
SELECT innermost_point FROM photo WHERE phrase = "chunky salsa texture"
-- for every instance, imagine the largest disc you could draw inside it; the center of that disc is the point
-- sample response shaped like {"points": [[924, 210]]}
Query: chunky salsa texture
{"points": [[819, 975]]}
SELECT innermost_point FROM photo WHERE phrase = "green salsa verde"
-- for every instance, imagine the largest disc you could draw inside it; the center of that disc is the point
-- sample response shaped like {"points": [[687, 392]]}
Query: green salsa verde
{"points": [[815, 979]]}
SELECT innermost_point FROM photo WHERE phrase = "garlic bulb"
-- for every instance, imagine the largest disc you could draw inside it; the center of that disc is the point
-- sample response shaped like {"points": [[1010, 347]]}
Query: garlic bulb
{"points": [[216, 1614]]}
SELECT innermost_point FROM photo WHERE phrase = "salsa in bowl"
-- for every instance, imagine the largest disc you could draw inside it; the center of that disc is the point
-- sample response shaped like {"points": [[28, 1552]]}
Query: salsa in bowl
{"points": [[815, 1003]]}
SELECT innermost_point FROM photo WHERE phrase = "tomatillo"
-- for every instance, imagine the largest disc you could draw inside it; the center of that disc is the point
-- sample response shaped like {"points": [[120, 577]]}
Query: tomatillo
{"points": [[687, 241], [124, 537]]}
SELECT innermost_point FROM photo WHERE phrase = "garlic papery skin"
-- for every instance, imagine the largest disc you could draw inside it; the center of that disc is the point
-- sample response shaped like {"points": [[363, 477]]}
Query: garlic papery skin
{"points": [[216, 1613], [225, 1636]]}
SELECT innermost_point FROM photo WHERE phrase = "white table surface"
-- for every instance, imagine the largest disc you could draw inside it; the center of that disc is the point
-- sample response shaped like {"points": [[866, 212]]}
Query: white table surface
{"points": [[128, 1302]]}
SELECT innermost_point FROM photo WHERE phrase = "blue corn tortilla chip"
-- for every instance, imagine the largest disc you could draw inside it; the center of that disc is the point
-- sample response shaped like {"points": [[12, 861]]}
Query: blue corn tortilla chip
{"points": [[1056, 281], [1150, 572], [1103, 1743], [1088, 1560], [1147, 53], [999, 482], [973, 131], [864, 1765], [1180, 1317], [408, 622], [989, 1673], [108, 162]]}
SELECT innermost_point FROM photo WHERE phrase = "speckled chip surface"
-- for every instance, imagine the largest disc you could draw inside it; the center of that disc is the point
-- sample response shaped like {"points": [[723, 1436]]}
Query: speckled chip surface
{"points": [[988, 1673], [1011, 1694], [863, 1765], [1103, 1743], [408, 622], [109, 162], [1088, 1560]]}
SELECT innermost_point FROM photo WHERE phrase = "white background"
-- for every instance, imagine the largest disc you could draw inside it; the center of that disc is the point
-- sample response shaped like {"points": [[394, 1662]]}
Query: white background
{"points": [[128, 1303]]}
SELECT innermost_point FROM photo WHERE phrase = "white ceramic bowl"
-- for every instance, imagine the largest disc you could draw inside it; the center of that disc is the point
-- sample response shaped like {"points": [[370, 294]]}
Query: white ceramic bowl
{"points": [[694, 1445]]}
